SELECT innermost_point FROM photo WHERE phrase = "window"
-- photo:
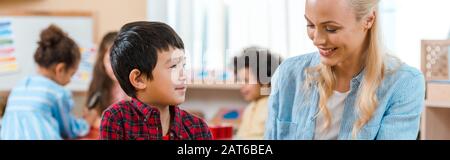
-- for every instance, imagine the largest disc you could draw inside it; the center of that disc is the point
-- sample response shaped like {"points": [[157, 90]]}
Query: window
{"points": [[216, 30]]}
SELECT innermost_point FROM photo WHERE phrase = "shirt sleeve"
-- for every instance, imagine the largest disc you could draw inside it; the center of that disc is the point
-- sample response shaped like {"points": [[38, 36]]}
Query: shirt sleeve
{"points": [[205, 132], [111, 126], [402, 118], [273, 106], [70, 126]]}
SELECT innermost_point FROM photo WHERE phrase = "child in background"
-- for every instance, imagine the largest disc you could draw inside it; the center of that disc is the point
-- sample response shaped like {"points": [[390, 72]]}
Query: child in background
{"points": [[39, 106], [255, 67], [2, 109], [148, 61], [104, 89]]}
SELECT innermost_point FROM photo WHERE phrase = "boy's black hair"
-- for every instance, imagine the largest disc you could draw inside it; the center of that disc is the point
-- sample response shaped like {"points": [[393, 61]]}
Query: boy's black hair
{"points": [[137, 47], [259, 61]]}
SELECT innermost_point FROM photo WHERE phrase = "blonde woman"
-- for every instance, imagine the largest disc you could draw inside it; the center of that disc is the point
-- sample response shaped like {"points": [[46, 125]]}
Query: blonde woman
{"points": [[350, 89]]}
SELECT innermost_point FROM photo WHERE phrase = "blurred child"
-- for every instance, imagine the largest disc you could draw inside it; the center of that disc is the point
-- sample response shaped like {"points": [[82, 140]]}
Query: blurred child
{"points": [[104, 89], [39, 107], [148, 61], [255, 67], [2, 109]]}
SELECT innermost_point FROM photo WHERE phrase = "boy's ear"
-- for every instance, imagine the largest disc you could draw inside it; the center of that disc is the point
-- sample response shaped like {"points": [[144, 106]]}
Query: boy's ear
{"points": [[137, 79]]}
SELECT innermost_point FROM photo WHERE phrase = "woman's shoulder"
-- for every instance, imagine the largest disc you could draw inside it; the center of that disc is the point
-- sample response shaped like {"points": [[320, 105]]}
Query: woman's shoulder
{"points": [[291, 72], [398, 69], [297, 64], [401, 76], [308, 59]]}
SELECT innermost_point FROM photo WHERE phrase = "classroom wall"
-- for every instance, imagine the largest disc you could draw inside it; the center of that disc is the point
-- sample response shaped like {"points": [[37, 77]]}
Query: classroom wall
{"points": [[110, 14]]}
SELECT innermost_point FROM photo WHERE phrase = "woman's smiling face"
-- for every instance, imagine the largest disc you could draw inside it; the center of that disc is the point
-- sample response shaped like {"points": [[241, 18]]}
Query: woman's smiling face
{"points": [[335, 30]]}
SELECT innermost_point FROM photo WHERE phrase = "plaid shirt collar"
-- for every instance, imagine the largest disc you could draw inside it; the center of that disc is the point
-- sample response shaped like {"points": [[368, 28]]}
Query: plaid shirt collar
{"points": [[147, 111]]}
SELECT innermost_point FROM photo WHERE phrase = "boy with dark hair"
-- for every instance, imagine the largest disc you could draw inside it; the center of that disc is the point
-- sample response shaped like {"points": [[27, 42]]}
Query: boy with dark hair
{"points": [[148, 61]]}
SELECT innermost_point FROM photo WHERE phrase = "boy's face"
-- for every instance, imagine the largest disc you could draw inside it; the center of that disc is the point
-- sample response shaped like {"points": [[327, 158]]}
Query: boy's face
{"points": [[168, 86]]}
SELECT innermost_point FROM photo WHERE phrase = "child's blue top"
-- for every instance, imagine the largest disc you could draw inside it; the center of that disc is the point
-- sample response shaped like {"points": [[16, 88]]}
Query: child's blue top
{"points": [[39, 109]]}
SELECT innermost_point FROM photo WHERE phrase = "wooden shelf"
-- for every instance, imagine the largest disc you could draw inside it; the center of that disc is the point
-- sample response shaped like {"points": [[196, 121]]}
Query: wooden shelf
{"points": [[215, 86], [437, 104], [435, 120]]}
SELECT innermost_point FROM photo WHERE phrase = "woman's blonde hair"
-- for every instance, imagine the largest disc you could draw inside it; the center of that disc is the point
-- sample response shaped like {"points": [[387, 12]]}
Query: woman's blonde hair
{"points": [[325, 78]]}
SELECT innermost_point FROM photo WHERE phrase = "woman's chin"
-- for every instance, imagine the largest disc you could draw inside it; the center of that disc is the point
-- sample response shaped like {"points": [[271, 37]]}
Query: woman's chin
{"points": [[328, 62]]}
